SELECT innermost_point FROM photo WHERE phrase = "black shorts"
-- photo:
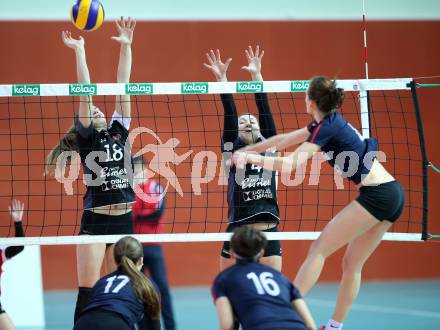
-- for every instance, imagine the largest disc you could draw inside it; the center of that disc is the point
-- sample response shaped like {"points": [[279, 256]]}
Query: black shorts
{"points": [[100, 320], [385, 201], [273, 247], [104, 224], [1, 309]]}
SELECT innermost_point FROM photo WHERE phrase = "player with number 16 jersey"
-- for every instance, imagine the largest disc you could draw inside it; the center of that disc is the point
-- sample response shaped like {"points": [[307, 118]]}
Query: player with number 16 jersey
{"points": [[261, 297]]}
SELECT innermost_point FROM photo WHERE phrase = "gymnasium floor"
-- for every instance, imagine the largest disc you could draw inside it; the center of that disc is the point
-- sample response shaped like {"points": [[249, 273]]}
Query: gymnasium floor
{"points": [[381, 306]]}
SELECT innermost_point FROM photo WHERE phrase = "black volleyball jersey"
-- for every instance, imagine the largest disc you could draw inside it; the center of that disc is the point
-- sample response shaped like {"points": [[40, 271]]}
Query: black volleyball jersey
{"points": [[346, 148], [252, 192], [260, 296], [114, 293], [107, 164]]}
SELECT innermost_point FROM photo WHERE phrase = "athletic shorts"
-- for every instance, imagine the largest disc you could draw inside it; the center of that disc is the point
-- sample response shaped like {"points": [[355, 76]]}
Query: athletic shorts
{"points": [[100, 320], [104, 224], [1, 309], [385, 201], [273, 248]]}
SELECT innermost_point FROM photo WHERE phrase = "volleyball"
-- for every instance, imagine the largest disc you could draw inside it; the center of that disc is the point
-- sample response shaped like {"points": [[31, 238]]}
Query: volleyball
{"points": [[87, 15]]}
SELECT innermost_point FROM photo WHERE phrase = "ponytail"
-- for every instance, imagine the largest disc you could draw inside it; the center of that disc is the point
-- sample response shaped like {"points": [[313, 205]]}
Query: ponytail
{"points": [[67, 143], [127, 252]]}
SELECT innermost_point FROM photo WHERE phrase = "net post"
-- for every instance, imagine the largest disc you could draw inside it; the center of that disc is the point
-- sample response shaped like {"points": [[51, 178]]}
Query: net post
{"points": [[425, 162]]}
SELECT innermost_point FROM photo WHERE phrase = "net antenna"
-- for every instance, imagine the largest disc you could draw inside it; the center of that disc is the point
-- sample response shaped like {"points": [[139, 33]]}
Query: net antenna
{"points": [[363, 94], [364, 27]]}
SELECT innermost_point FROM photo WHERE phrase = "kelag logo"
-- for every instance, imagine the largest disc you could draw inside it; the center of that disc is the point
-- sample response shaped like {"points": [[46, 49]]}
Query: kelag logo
{"points": [[194, 88], [299, 85], [82, 89], [26, 90], [138, 89], [249, 87]]}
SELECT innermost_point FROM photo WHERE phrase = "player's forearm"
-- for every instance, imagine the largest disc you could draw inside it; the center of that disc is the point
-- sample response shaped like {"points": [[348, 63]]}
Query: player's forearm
{"points": [[279, 164], [265, 145], [82, 71], [257, 76], [230, 118], [19, 232], [296, 137], [12, 251], [124, 66], [83, 77]]}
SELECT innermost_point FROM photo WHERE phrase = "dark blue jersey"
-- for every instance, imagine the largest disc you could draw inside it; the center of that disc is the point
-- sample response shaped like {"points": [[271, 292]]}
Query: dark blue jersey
{"points": [[260, 296], [112, 183], [352, 154], [114, 293], [252, 192]]}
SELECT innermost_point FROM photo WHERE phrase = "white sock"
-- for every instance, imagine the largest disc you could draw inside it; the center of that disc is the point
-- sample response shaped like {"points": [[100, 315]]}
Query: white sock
{"points": [[333, 325]]}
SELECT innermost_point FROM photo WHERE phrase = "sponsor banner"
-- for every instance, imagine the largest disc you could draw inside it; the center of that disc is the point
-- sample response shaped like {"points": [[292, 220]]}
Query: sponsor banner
{"points": [[249, 87], [83, 89], [194, 88], [25, 90]]}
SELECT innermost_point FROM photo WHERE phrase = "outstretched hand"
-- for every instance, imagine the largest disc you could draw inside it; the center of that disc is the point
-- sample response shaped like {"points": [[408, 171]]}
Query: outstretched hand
{"points": [[217, 67], [16, 210], [254, 62], [125, 29], [71, 42]]}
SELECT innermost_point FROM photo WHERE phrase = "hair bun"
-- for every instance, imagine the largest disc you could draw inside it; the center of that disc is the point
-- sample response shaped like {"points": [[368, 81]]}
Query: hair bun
{"points": [[325, 93], [338, 96]]}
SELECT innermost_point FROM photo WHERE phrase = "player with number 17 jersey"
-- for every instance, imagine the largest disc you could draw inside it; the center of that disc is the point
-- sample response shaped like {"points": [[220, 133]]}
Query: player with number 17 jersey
{"points": [[114, 293]]}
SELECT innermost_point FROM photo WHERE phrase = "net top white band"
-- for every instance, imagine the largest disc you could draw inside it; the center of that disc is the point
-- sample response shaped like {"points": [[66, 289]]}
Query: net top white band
{"points": [[183, 88], [184, 237]]}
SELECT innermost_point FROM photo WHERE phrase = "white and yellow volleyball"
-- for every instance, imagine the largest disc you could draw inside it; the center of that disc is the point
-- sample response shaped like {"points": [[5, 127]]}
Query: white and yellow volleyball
{"points": [[87, 15]]}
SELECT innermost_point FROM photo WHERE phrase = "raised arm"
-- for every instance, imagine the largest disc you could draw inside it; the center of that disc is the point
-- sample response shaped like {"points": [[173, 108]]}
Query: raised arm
{"points": [[16, 212], [230, 121], [267, 124], [83, 76], [125, 28]]}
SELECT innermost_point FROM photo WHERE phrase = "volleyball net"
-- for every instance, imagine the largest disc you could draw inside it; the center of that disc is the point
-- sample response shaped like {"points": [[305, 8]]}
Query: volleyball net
{"points": [[178, 128]]}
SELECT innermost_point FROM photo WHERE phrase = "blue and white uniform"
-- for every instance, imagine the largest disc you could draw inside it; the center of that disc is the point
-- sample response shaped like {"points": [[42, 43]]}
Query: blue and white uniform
{"points": [[261, 296], [336, 136], [114, 296], [353, 155]]}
